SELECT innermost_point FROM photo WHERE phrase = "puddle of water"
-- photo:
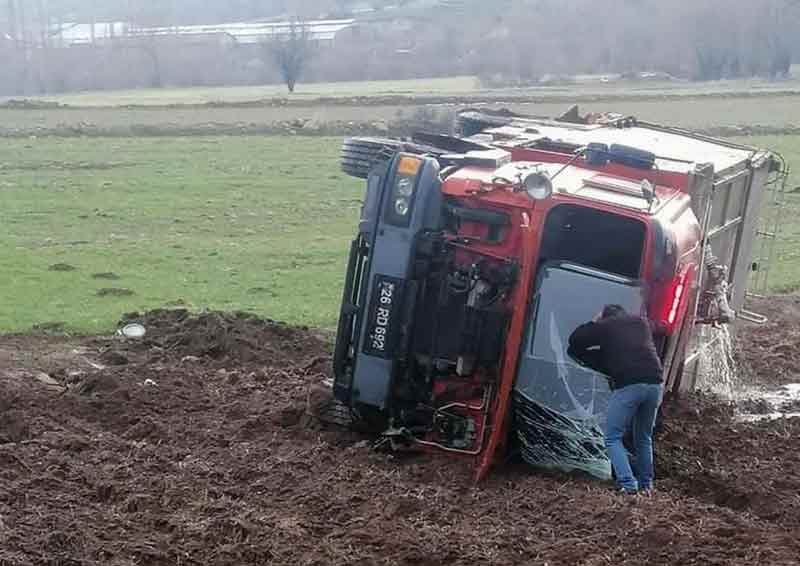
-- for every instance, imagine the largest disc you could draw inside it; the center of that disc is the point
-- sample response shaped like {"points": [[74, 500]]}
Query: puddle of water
{"points": [[720, 375], [748, 418], [793, 390], [784, 401]]}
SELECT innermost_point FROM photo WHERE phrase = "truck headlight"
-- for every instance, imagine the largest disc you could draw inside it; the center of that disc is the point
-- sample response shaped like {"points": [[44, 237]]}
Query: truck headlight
{"points": [[405, 187], [403, 190], [403, 193], [401, 206]]}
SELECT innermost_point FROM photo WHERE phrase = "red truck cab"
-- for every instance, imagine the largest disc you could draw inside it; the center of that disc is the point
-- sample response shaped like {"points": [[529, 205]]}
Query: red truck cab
{"points": [[472, 268], [616, 236]]}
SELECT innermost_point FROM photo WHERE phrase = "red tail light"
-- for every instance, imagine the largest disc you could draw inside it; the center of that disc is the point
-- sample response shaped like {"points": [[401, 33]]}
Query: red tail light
{"points": [[675, 299]]}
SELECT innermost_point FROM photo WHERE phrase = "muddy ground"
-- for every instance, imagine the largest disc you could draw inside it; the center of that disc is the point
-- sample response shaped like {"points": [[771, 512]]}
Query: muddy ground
{"points": [[769, 354], [193, 446]]}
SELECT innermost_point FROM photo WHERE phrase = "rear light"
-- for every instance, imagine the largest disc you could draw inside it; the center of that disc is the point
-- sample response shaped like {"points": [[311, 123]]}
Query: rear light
{"points": [[676, 302], [675, 299]]}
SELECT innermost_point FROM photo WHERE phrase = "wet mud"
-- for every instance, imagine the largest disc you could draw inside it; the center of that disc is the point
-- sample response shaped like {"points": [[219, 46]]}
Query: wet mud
{"points": [[198, 445]]}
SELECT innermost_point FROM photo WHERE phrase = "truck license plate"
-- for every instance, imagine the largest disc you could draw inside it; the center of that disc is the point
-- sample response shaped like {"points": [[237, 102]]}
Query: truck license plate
{"points": [[381, 331]]}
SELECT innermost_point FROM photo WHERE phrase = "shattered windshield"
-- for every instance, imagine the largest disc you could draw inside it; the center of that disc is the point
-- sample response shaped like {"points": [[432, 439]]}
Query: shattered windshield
{"points": [[560, 405]]}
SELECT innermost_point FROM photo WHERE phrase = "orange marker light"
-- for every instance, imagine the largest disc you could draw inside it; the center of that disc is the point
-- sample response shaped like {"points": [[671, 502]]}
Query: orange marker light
{"points": [[409, 166]]}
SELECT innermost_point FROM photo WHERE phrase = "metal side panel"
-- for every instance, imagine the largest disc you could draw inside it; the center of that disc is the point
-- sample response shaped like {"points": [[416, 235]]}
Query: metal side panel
{"points": [[721, 202], [743, 255], [727, 225], [700, 189], [701, 184]]}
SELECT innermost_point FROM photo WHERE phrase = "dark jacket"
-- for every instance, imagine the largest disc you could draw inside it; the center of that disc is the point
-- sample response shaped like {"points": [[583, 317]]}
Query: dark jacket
{"points": [[622, 347]]}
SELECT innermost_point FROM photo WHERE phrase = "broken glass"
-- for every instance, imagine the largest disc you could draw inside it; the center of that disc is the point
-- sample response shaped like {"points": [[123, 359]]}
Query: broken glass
{"points": [[559, 404]]}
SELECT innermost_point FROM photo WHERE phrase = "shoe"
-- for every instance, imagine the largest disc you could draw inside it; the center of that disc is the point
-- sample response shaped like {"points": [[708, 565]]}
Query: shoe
{"points": [[625, 491]]}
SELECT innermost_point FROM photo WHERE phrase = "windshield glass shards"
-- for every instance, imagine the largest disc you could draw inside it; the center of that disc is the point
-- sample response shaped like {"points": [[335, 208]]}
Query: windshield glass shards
{"points": [[560, 405]]}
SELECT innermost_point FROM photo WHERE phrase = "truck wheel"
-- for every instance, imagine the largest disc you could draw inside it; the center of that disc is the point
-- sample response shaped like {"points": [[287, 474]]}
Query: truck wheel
{"points": [[360, 155]]}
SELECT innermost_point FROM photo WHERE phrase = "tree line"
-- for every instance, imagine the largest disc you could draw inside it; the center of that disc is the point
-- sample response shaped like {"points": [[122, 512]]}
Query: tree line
{"points": [[505, 42]]}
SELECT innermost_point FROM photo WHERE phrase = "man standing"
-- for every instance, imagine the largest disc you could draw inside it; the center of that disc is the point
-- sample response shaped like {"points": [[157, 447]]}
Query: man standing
{"points": [[623, 346]]}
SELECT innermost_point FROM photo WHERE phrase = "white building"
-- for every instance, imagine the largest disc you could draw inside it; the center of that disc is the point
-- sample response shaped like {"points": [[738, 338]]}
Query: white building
{"points": [[320, 31]]}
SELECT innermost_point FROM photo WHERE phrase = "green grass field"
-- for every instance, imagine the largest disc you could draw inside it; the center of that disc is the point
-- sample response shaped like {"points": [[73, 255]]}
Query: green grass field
{"points": [[258, 224], [785, 277], [239, 94], [234, 223]]}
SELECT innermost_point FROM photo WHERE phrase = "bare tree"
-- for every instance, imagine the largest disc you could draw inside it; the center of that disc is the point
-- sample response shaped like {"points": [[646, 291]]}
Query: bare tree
{"points": [[143, 17], [291, 51]]}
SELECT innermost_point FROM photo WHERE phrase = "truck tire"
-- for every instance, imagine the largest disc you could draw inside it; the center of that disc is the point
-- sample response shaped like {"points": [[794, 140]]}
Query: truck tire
{"points": [[360, 155]]}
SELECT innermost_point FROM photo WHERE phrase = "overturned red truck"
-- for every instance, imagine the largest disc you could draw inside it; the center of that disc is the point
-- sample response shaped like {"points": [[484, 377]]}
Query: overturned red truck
{"points": [[478, 254]]}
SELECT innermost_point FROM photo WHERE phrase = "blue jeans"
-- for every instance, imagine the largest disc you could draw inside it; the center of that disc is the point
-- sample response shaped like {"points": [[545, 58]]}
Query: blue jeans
{"points": [[636, 405]]}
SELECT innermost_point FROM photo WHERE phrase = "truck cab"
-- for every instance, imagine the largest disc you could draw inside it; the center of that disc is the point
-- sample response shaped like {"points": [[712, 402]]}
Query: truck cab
{"points": [[469, 272]]}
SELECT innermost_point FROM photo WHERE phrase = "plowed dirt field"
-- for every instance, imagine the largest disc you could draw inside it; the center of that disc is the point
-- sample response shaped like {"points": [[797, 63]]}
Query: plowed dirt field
{"points": [[195, 446]]}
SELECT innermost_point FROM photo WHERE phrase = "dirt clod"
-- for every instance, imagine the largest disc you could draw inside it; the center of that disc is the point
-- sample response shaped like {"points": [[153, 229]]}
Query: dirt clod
{"points": [[755, 406], [13, 426], [768, 352], [113, 358], [235, 339]]}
